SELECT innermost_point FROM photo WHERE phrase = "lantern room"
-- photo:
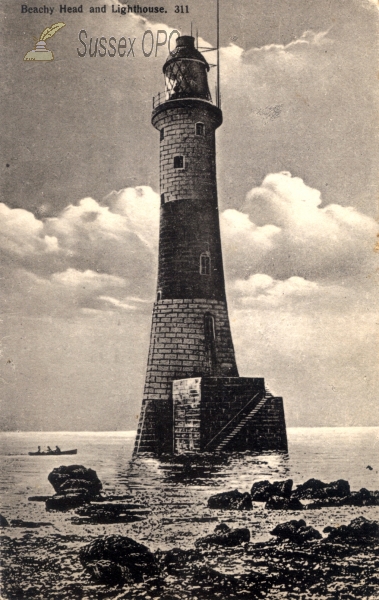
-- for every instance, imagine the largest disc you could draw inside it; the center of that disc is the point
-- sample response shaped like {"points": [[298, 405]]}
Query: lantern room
{"points": [[185, 72]]}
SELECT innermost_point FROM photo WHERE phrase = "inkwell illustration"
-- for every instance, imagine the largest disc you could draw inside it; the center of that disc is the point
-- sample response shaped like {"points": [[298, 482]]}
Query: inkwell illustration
{"points": [[41, 52]]}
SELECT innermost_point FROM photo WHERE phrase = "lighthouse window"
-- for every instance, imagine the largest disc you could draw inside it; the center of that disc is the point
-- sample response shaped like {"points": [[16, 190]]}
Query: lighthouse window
{"points": [[162, 133], [162, 198], [178, 162], [205, 263], [200, 129], [209, 328]]}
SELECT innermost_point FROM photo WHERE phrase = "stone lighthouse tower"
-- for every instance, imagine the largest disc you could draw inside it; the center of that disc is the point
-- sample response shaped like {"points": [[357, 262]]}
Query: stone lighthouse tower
{"points": [[194, 400]]}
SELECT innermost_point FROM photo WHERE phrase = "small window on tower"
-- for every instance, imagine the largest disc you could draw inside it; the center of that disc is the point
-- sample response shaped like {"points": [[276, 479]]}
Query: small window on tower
{"points": [[162, 199], [209, 328], [159, 295], [178, 162], [205, 263], [162, 133], [200, 129]]}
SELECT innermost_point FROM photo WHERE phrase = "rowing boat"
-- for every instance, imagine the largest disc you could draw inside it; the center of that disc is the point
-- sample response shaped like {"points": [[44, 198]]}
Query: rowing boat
{"points": [[53, 453]]}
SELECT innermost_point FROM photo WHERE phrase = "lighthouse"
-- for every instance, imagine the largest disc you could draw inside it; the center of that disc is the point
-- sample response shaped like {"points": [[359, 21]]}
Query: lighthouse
{"points": [[194, 400]]}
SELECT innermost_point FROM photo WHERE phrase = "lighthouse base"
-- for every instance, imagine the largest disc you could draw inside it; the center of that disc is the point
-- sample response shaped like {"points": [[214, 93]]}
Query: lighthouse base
{"points": [[226, 414], [215, 415]]}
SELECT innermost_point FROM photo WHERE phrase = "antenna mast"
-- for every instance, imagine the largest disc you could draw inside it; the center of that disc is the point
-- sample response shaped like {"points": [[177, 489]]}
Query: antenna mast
{"points": [[218, 102]]}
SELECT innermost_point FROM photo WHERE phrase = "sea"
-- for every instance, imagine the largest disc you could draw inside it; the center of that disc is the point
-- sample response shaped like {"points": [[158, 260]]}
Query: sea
{"points": [[175, 492]]}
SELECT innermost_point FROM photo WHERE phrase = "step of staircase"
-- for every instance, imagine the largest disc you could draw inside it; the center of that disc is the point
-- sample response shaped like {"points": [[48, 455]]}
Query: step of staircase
{"points": [[243, 422]]}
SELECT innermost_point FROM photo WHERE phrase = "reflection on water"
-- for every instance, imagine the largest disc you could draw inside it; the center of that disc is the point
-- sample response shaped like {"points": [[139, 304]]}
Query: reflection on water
{"points": [[176, 490]]}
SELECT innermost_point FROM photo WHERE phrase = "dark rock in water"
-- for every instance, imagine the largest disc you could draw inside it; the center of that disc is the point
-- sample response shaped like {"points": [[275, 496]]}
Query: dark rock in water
{"points": [[360, 531], [222, 528], [38, 498], [225, 536], [296, 531], [121, 551], [66, 501], [181, 562], [28, 524], [263, 490], [338, 489], [280, 503], [3, 522], [362, 498], [109, 573], [314, 489], [287, 529], [306, 534], [233, 500], [74, 477], [310, 489]]}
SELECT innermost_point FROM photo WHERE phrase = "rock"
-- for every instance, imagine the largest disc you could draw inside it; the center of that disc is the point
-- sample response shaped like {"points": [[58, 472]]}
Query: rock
{"points": [[314, 489], [3, 522], [296, 531], [222, 528], [263, 490], [360, 531], [74, 478], [181, 562], [65, 502], [310, 489], [287, 529], [38, 498], [225, 536], [306, 534], [280, 503], [121, 551], [233, 500], [338, 489], [109, 573], [362, 498]]}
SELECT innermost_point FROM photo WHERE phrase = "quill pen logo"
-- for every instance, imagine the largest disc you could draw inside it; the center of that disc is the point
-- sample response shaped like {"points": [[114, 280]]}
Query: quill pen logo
{"points": [[40, 51]]}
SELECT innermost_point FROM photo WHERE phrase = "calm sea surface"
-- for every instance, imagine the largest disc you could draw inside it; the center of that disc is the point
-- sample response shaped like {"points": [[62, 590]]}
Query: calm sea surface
{"points": [[177, 492]]}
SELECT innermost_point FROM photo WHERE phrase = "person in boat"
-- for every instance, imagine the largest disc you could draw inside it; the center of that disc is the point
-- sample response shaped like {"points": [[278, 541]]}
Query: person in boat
{"points": [[57, 450], [39, 450], [49, 449]]}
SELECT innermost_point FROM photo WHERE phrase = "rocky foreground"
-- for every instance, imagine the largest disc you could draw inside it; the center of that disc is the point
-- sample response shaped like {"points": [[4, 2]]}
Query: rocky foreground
{"points": [[299, 562]]}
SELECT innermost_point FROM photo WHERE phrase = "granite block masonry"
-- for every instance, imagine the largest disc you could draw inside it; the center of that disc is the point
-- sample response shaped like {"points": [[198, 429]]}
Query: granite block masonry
{"points": [[194, 400]]}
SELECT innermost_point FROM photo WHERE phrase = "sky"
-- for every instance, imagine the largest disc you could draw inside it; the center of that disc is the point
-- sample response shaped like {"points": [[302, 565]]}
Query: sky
{"points": [[297, 159]]}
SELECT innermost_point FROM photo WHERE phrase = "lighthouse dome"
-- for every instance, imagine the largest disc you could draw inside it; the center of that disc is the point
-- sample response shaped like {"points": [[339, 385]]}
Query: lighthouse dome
{"points": [[185, 49]]}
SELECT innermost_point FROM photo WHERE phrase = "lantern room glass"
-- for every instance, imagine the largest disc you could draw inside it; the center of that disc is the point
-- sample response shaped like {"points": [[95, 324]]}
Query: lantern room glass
{"points": [[186, 78]]}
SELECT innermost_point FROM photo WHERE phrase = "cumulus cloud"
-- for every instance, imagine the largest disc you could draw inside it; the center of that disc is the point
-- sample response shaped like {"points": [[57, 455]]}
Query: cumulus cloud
{"points": [[91, 256], [283, 230], [262, 290]]}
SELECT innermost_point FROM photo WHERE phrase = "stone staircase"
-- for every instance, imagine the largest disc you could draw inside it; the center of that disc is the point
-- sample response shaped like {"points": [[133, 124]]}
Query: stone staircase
{"points": [[250, 415]]}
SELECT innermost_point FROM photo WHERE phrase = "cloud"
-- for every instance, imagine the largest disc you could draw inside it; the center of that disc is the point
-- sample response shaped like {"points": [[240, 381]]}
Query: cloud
{"points": [[91, 256], [22, 234], [283, 231], [262, 290], [306, 107]]}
